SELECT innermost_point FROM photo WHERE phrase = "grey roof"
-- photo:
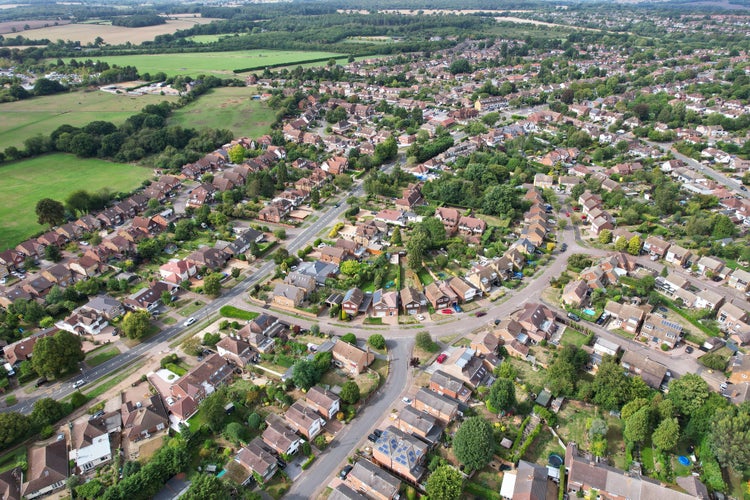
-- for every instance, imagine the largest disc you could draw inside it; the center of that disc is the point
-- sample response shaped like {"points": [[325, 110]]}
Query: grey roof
{"points": [[375, 478]]}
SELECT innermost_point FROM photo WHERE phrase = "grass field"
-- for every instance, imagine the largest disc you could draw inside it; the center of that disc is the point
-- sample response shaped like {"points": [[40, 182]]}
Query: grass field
{"points": [[228, 107], [210, 38], [54, 176], [212, 62], [42, 115]]}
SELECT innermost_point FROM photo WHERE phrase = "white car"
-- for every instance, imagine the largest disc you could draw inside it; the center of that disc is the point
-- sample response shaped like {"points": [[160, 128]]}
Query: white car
{"points": [[78, 383], [420, 317], [190, 321], [406, 400]]}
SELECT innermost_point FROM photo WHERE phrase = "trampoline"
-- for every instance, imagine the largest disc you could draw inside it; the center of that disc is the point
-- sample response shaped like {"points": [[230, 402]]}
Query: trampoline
{"points": [[555, 460]]}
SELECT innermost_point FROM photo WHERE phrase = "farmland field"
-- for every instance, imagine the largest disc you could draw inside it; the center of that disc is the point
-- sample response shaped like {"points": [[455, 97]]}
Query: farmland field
{"points": [[42, 115], [210, 38], [229, 107], [221, 63], [54, 176], [113, 35]]}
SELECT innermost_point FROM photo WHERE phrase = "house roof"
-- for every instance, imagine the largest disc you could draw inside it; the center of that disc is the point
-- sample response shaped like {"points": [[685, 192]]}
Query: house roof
{"points": [[257, 457], [10, 484], [321, 397], [442, 404], [344, 492], [402, 448], [301, 414], [375, 478], [47, 465], [278, 435], [652, 372], [528, 482], [352, 353]]}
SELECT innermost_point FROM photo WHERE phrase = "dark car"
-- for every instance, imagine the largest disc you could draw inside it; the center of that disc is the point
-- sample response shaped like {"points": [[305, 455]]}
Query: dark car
{"points": [[479, 314], [40, 382], [563, 247], [378, 432], [688, 350], [574, 317], [345, 471], [281, 463], [497, 322], [372, 438]]}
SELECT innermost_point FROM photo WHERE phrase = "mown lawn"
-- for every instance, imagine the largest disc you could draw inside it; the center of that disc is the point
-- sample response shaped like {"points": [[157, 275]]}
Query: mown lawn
{"points": [[100, 357], [230, 108], [54, 176], [236, 312]]}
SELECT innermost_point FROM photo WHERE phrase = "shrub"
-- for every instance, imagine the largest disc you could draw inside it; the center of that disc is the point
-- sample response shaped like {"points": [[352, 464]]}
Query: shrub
{"points": [[320, 442], [307, 463], [170, 359], [306, 449], [377, 341]]}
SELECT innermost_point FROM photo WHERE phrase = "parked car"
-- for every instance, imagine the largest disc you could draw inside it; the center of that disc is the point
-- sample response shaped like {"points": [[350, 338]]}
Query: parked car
{"points": [[40, 382], [372, 438], [447, 311], [281, 463], [406, 400], [574, 317], [479, 314], [190, 321], [440, 359], [345, 471], [688, 350], [497, 321], [378, 432]]}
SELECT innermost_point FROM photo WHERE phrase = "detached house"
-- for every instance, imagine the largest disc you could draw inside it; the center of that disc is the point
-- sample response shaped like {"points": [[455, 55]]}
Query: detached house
{"points": [[288, 295], [384, 304], [538, 321], [439, 406], [47, 470], [373, 481], [740, 279], [353, 300], [236, 351], [326, 403], [304, 419], [449, 217], [257, 458], [412, 301], [352, 358], [448, 385]]}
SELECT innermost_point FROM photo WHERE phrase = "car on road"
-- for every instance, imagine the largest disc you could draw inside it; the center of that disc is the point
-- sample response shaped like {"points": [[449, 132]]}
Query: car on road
{"points": [[78, 383], [689, 350], [574, 317], [447, 311], [479, 314], [345, 471], [497, 321], [563, 247], [190, 321], [337, 205], [743, 188], [440, 359], [406, 400]]}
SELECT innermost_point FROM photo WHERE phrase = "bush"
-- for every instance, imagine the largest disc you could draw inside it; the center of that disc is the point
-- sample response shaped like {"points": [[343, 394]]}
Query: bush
{"points": [[377, 341], [78, 399], [349, 338], [307, 463], [424, 341], [306, 449], [168, 360], [320, 442], [211, 339]]}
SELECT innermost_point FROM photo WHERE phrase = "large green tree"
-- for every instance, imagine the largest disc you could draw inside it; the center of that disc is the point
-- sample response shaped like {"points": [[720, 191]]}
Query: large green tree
{"points": [[350, 392], [305, 374], [206, 487], [13, 426], [49, 211], [445, 483], [730, 436], [611, 387], [212, 285], [688, 393], [666, 435], [61, 353], [47, 411], [502, 395], [470, 444], [136, 324], [638, 426]]}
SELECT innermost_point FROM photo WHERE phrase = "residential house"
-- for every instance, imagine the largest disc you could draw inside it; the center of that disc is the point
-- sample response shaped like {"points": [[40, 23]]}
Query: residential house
{"points": [[412, 301], [587, 475], [464, 291], [279, 436], [708, 299], [304, 419], [318, 270], [83, 321], [323, 401], [603, 347], [543, 181], [656, 246], [256, 457], [47, 470], [465, 364], [424, 426], [86, 267], [302, 281], [538, 321], [575, 293], [661, 331], [731, 317], [177, 271], [30, 249], [353, 300], [485, 343], [344, 492], [10, 484], [52, 238], [142, 415], [201, 381], [675, 281], [384, 304], [471, 225], [211, 258], [288, 295], [38, 287], [711, 266], [391, 217], [401, 453], [149, 298], [678, 255], [630, 316], [92, 441], [449, 217], [448, 385], [243, 241], [527, 482], [276, 211], [439, 406], [435, 292], [236, 351], [740, 279], [333, 255], [105, 305], [59, 274], [483, 278], [374, 482], [652, 372], [352, 358]]}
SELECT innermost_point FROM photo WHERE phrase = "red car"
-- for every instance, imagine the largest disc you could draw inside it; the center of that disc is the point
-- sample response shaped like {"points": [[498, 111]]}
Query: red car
{"points": [[447, 311], [567, 214], [442, 358], [479, 314]]}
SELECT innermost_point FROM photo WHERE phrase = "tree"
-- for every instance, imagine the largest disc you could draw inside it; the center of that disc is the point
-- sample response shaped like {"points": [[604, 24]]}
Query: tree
{"points": [[52, 253], [350, 392], [637, 427], [730, 436], [424, 341], [206, 487], [212, 285], [254, 420], [605, 237], [13, 426], [213, 410], [502, 395], [460, 66], [89, 490], [688, 393], [634, 245], [396, 237], [501, 200], [610, 387], [470, 443], [666, 435], [445, 483], [236, 432], [416, 248], [236, 154], [598, 429], [136, 324], [305, 374], [349, 338], [47, 411], [58, 354], [49, 211], [377, 341]]}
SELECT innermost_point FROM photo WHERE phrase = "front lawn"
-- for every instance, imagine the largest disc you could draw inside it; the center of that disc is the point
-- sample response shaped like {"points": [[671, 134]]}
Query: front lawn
{"points": [[100, 356], [236, 312], [572, 337], [191, 308]]}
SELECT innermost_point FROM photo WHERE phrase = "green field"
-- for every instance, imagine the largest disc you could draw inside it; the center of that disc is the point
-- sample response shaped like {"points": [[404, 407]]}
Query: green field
{"points": [[228, 107], [42, 115], [210, 38], [54, 176], [212, 62]]}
